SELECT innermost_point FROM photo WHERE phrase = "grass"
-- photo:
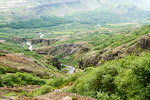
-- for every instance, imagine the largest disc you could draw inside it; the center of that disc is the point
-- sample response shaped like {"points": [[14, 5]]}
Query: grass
{"points": [[17, 79], [18, 48]]}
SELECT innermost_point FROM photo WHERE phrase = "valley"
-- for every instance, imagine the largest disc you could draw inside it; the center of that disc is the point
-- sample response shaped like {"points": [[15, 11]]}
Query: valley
{"points": [[74, 50], [53, 56]]}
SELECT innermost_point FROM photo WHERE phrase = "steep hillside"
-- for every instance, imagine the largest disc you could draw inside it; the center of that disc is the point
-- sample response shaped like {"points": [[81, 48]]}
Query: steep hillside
{"points": [[122, 79]]}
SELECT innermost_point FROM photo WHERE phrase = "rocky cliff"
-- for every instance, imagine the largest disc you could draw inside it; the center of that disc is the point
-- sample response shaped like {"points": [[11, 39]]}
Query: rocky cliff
{"points": [[64, 49]]}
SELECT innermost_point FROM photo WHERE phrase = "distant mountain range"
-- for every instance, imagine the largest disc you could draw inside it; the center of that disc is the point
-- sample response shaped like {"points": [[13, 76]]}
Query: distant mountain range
{"points": [[87, 11]]}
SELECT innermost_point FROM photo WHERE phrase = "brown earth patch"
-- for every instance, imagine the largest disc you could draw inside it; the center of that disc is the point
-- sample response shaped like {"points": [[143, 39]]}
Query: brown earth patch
{"points": [[22, 63]]}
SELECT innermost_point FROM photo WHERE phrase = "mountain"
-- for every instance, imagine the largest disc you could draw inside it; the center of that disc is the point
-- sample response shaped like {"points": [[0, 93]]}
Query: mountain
{"points": [[102, 11]]}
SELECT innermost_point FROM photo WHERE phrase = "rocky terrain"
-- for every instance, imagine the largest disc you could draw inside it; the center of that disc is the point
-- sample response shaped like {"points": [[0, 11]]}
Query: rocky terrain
{"points": [[122, 51], [43, 42], [65, 49]]}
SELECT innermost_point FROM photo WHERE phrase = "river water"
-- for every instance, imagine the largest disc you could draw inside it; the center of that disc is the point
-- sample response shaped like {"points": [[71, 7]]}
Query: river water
{"points": [[70, 69]]}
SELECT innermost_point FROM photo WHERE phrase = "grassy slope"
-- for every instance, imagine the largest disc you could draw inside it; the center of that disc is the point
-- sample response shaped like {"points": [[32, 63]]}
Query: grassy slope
{"points": [[124, 79]]}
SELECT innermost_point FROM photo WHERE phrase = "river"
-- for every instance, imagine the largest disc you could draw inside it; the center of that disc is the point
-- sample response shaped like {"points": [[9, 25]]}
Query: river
{"points": [[70, 69]]}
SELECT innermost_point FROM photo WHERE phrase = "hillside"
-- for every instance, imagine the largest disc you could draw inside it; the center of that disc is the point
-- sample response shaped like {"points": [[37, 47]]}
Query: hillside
{"points": [[33, 69], [74, 50]]}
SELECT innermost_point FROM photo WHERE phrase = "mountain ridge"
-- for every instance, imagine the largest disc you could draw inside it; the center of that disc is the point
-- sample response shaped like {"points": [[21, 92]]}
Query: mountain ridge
{"points": [[25, 10]]}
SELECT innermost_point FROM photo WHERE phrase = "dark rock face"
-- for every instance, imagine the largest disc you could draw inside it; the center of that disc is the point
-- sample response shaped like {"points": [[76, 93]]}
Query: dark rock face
{"points": [[56, 63], [106, 55], [93, 61], [44, 42], [145, 42]]}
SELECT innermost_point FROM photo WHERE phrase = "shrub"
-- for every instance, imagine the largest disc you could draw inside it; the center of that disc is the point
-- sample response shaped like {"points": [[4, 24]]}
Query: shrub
{"points": [[2, 70], [11, 80], [39, 91], [105, 96], [21, 79], [29, 79], [125, 79], [57, 82], [74, 77]]}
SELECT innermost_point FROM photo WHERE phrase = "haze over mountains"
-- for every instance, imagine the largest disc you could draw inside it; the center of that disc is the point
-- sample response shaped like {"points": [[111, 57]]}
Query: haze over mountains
{"points": [[33, 9]]}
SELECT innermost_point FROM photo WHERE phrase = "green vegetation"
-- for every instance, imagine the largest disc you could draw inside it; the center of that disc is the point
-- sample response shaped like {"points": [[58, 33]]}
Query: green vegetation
{"points": [[36, 23], [39, 91], [11, 77], [125, 79], [18, 79], [18, 48], [4, 70]]}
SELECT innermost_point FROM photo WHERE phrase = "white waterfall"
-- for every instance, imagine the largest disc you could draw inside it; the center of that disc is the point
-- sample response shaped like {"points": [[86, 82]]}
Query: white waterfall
{"points": [[29, 46]]}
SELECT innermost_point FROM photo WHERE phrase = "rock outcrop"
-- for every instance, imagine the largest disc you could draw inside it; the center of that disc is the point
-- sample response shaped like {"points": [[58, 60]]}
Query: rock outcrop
{"points": [[144, 42], [43, 42], [64, 50], [56, 63], [106, 55]]}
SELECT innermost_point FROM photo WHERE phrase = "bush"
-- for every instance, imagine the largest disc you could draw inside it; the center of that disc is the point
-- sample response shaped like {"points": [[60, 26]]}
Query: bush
{"points": [[74, 77], [105, 96], [40, 91], [29, 79], [21, 79], [4, 70], [57, 82], [125, 79], [97, 80]]}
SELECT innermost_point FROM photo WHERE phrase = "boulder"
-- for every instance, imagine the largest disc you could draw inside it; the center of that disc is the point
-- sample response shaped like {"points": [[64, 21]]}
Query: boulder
{"points": [[144, 42]]}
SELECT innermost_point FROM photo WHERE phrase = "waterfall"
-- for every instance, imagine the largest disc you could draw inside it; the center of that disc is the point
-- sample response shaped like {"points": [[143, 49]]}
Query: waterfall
{"points": [[29, 46]]}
